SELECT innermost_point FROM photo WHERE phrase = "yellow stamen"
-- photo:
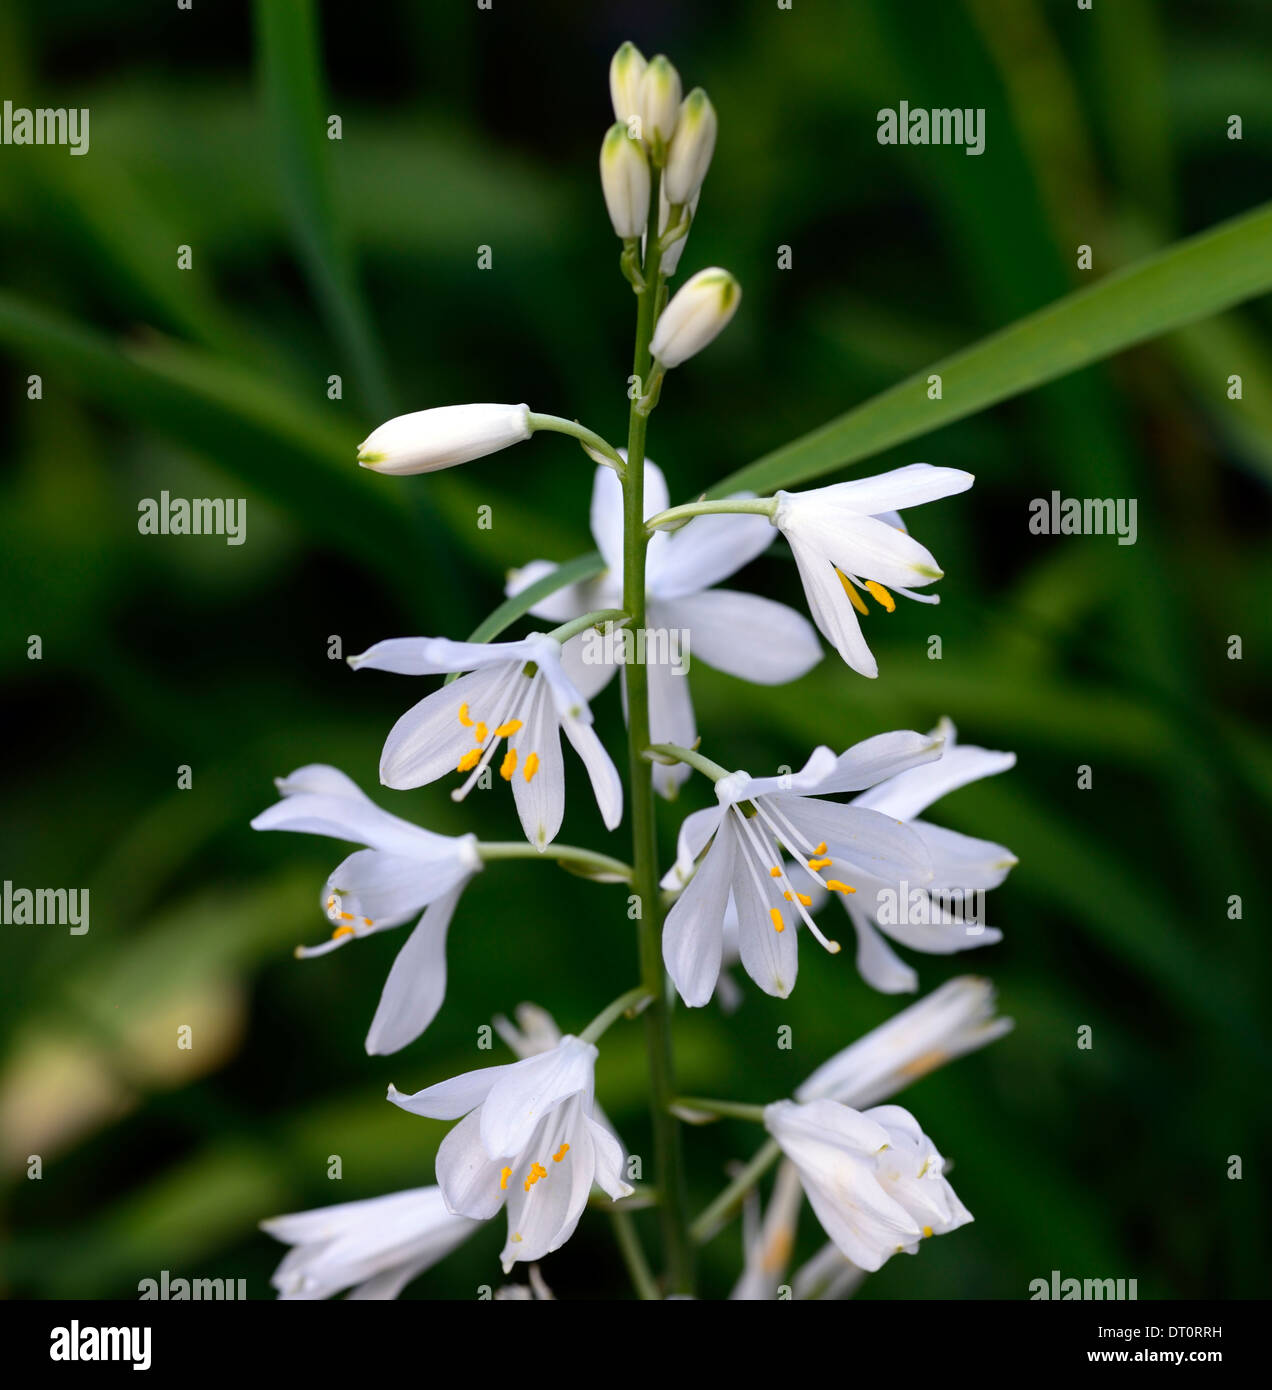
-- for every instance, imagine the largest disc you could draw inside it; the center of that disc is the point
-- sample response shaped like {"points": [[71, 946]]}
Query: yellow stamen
{"points": [[778, 924], [821, 848], [537, 1171], [469, 760], [927, 1230], [560, 1153], [507, 730], [367, 922], [464, 717], [342, 931], [481, 732], [531, 767], [881, 596], [820, 863], [803, 897], [851, 590], [775, 871], [346, 916], [836, 887], [509, 765], [504, 1175]]}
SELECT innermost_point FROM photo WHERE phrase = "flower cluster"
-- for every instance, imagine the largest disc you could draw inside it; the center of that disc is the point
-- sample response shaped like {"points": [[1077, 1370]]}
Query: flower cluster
{"points": [[751, 871]]}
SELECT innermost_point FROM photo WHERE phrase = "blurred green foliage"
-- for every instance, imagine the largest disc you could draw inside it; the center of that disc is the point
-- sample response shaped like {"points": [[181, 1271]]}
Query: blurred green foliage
{"points": [[466, 128]]}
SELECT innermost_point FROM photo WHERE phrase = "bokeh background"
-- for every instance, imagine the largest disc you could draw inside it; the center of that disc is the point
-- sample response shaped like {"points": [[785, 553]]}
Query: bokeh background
{"points": [[465, 128]]}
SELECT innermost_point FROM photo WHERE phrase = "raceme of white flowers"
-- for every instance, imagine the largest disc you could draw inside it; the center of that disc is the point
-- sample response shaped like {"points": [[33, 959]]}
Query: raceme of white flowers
{"points": [[752, 871]]}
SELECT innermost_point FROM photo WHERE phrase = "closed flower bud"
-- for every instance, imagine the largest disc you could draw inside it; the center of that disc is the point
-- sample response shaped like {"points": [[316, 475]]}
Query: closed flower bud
{"points": [[698, 312], [692, 147], [659, 101], [427, 440], [625, 181], [627, 67], [672, 255]]}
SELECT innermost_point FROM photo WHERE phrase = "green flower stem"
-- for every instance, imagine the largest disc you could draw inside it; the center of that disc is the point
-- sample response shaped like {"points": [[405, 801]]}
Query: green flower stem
{"points": [[493, 850], [691, 757], [581, 624], [668, 1159], [730, 1109], [589, 438], [633, 1254], [711, 1220], [677, 516], [631, 1002]]}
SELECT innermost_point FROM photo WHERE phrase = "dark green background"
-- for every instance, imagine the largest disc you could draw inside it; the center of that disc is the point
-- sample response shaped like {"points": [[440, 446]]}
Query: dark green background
{"points": [[465, 128]]}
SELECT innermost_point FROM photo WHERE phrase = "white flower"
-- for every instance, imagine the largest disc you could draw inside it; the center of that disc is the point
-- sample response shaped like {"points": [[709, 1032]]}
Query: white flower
{"points": [[728, 991], [743, 634], [952, 1021], [874, 1178], [936, 919], [530, 1140], [374, 1248], [460, 727], [767, 1245], [671, 256], [426, 440], [659, 97], [625, 181], [849, 537], [627, 67], [699, 311], [690, 155], [405, 868], [742, 835]]}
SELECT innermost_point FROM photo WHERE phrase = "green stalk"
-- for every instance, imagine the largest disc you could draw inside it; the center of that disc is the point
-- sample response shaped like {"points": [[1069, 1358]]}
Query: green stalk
{"points": [[668, 1160]]}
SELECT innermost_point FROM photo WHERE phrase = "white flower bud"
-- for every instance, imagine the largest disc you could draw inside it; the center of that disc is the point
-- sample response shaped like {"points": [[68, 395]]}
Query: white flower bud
{"points": [[625, 181], [672, 255], [692, 147], [698, 312], [659, 101], [426, 440], [627, 67]]}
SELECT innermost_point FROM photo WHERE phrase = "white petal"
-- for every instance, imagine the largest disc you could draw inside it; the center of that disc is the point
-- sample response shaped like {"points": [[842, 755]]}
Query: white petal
{"points": [[559, 607], [872, 760], [909, 794], [541, 799], [877, 963], [862, 546], [527, 1091], [542, 1217], [894, 491], [606, 783], [360, 821], [834, 615], [861, 841], [450, 1099], [962, 861], [693, 936], [695, 830], [435, 656], [588, 675], [609, 1161], [768, 956], [320, 779], [670, 721], [416, 985], [757, 639], [466, 1173], [707, 550]]}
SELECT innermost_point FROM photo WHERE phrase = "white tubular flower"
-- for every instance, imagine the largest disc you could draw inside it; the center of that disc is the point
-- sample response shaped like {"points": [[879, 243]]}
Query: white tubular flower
{"points": [[374, 1248], [405, 868], [766, 1251], [659, 97], [692, 148], [627, 67], [530, 1140], [754, 638], [874, 1178], [625, 181], [460, 727], [699, 311], [427, 440], [742, 835], [952, 1021], [932, 917], [849, 537]]}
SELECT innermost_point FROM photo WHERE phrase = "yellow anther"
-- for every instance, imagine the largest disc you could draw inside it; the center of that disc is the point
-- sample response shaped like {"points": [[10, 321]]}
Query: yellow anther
{"points": [[507, 730], [481, 733], [836, 887], [778, 924], [803, 897], [509, 765], [537, 1171], [346, 916], [468, 761], [778, 1252], [504, 1175], [821, 848], [560, 1153], [775, 871], [342, 931], [820, 863], [367, 922], [927, 1230], [464, 718], [531, 767], [851, 590], [880, 595]]}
